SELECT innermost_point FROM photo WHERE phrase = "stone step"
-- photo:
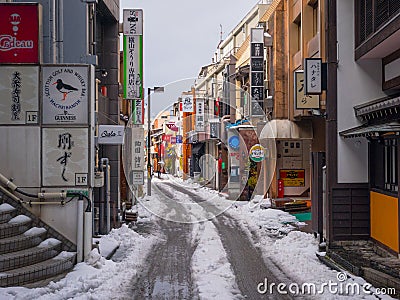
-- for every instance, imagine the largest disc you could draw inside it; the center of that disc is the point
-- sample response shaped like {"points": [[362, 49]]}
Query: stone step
{"points": [[45, 269], [7, 212], [15, 226], [20, 242], [45, 250]]}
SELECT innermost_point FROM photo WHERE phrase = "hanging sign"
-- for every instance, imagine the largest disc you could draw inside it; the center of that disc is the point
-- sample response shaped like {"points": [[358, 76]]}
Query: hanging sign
{"points": [[187, 103], [200, 126], [133, 22], [257, 153], [172, 126], [138, 112], [111, 134], [301, 100], [138, 148], [65, 90], [257, 71], [133, 66], [313, 76]]}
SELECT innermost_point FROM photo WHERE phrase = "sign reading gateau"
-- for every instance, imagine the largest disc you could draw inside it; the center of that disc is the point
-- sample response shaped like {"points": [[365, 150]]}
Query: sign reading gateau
{"points": [[65, 94], [19, 33]]}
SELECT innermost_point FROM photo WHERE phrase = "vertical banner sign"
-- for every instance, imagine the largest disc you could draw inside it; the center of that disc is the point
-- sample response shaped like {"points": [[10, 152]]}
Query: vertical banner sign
{"points": [[19, 33], [200, 126], [313, 76], [257, 71], [19, 94], [137, 148], [133, 22], [138, 112], [133, 67], [301, 100], [65, 156], [187, 103]]}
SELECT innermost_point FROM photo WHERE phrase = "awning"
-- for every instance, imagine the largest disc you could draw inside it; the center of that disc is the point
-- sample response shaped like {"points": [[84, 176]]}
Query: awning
{"points": [[370, 131], [286, 129]]}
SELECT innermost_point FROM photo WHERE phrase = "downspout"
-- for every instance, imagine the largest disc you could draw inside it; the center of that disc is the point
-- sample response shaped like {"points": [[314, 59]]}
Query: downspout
{"points": [[52, 31], [60, 31], [105, 164]]}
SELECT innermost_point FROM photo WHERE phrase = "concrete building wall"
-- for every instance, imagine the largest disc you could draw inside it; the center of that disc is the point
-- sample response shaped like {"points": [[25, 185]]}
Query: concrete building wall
{"points": [[358, 82]]}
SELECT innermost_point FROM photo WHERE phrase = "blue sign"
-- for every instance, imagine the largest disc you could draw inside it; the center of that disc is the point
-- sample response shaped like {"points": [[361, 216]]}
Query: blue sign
{"points": [[234, 142], [179, 139]]}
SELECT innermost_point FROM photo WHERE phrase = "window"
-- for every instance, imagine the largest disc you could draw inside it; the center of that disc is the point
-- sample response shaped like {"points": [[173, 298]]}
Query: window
{"points": [[383, 165]]}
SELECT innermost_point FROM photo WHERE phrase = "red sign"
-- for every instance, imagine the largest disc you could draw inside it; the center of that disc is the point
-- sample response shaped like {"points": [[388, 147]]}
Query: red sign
{"points": [[19, 33], [171, 126], [166, 138]]}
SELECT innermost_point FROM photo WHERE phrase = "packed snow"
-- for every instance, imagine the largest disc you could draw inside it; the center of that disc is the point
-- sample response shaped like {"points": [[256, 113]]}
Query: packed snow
{"points": [[20, 219], [50, 242], [34, 231], [5, 207]]}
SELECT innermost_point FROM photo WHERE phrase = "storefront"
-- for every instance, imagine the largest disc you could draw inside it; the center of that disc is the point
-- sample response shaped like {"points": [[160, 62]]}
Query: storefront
{"points": [[381, 128]]}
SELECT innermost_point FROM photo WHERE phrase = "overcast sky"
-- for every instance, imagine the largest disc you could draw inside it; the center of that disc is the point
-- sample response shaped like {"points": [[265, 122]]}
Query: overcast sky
{"points": [[181, 36]]}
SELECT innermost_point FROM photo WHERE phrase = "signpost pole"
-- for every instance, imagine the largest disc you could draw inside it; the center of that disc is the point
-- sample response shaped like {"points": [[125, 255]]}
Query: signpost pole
{"points": [[148, 144]]}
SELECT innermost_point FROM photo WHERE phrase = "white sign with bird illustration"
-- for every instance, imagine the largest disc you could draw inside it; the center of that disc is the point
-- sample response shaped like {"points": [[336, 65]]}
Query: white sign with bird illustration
{"points": [[65, 94]]}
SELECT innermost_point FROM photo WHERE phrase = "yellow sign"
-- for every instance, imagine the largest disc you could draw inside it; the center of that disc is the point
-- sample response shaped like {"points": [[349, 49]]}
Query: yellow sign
{"points": [[292, 177], [302, 101]]}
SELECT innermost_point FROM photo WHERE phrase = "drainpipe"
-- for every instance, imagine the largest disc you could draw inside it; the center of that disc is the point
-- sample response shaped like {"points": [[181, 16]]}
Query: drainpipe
{"points": [[105, 164], [60, 31], [79, 235], [52, 31]]}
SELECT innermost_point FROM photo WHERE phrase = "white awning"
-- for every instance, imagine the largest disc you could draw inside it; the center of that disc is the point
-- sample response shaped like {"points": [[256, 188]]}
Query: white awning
{"points": [[286, 129]]}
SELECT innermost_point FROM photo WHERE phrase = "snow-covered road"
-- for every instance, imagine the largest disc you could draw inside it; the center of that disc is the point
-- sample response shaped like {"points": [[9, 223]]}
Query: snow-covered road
{"points": [[192, 243]]}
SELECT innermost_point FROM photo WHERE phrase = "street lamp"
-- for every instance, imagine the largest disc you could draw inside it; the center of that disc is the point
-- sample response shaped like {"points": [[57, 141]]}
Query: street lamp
{"points": [[156, 89]]}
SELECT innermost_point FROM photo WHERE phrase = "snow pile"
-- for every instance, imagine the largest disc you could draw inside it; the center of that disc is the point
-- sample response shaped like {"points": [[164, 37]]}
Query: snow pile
{"points": [[20, 219], [50, 242], [64, 255], [88, 282], [107, 245], [95, 259], [212, 273], [5, 207], [34, 231]]}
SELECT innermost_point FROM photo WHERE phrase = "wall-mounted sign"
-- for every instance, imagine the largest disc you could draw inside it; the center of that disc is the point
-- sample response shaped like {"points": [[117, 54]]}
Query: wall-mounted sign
{"points": [[19, 95], [138, 148], [200, 124], [313, 76], [65, 90], [138, 112], [133, 66], [257, 153], [166, 138], [19, 33], [179, 139], [111, 134], [133, 21], [187, 103], [292, 177], [137, 177], [215, 128], [172, 126], [257, 71], [301, 100], [234, 142], [173, 140], [65, 156]]}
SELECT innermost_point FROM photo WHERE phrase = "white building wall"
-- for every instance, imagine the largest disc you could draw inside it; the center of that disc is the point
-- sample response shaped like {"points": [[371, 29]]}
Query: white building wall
{"points": [[358, 82]]}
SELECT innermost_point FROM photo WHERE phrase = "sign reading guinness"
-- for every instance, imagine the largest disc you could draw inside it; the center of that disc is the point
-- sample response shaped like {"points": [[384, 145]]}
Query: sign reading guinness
{"points": [[65, 94]]}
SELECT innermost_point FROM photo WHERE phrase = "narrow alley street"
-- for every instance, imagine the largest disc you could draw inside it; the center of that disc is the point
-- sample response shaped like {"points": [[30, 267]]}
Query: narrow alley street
{"points": [[168, 273]]}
